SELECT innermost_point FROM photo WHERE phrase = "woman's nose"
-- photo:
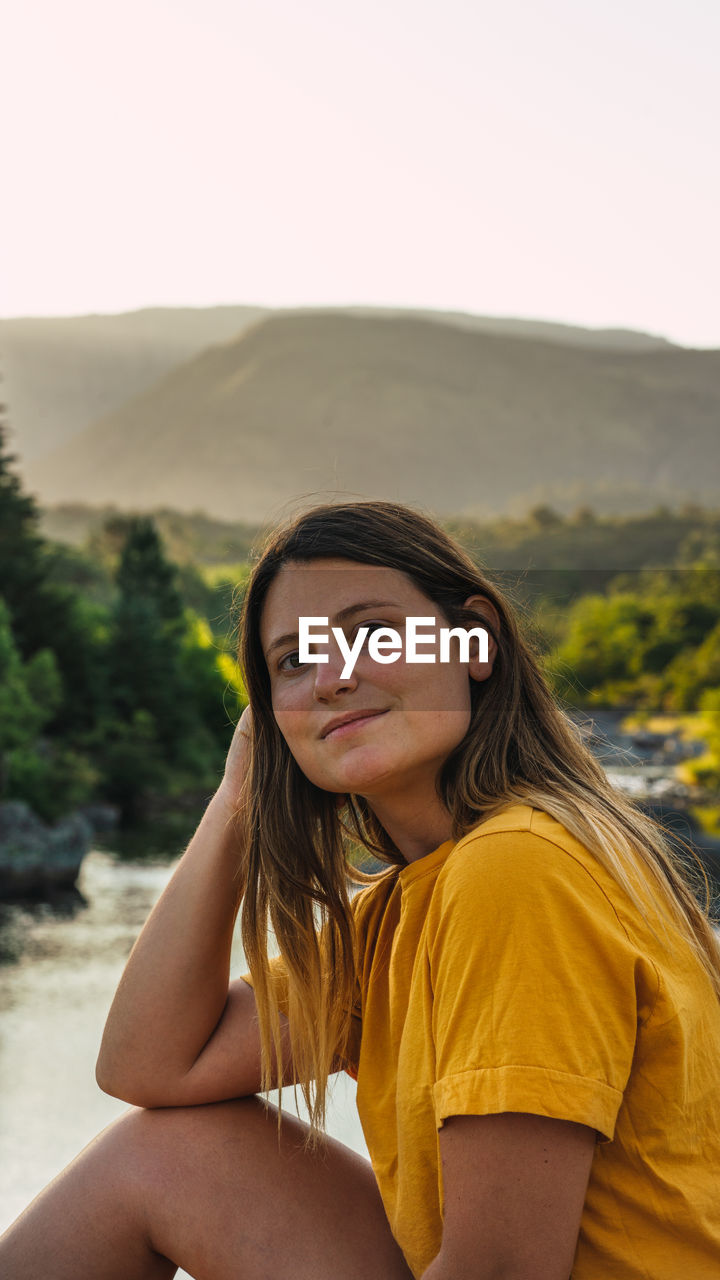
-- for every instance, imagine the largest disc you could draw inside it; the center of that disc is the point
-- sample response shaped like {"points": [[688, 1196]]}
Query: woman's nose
{"points": [[329, 679]]}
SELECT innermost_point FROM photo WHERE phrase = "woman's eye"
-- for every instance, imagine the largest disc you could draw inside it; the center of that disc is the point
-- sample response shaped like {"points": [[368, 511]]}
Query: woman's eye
{"points": [[291, 661], [369, 628], [288, 662]]}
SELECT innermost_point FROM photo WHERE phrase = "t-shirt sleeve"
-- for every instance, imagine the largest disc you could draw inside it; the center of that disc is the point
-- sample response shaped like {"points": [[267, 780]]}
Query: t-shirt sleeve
{"points": [[533, 978]]}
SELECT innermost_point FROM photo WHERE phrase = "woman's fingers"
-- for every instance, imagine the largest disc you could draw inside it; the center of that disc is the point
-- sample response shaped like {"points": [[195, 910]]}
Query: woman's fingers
{"points": [[238, 757]]}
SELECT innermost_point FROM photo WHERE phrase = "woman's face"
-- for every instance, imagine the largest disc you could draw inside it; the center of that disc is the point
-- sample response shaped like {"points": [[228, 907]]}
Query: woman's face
{"points": [[408, 716]]}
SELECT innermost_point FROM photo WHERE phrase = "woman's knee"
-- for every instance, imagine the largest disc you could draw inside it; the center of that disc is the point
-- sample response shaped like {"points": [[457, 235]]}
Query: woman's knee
{"points": [[176, 1164], [219, 1186], [152, 1148]]}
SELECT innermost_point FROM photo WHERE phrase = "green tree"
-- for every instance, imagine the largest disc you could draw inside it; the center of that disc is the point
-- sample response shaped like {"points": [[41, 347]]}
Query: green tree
{"points": [[22, 569], [29, 693], [167, 729], [691, 673], [604, 638], [144, 653], [49, 775], [710, 708], [545, 517], [145, 573], [46, 615]]}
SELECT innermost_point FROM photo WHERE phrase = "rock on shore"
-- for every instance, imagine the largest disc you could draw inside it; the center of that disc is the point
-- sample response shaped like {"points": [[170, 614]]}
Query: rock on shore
{"points": [[35, 858]]}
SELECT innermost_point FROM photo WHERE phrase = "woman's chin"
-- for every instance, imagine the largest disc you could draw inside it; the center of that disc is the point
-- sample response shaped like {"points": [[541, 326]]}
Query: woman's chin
{"points": [[357, 777]]}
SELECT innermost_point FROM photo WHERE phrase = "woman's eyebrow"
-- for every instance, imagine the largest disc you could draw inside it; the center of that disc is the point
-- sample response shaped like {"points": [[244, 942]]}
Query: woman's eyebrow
{"points": [[340, 616]]}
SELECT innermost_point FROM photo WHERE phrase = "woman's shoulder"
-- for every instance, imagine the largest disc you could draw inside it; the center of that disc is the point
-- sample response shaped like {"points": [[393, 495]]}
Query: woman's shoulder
{"points": [[524, 854], [520, 834], [520, 889]]}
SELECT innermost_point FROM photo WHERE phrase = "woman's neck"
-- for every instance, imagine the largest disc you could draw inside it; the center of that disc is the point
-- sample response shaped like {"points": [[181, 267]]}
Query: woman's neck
{"points": [[416, 829]]}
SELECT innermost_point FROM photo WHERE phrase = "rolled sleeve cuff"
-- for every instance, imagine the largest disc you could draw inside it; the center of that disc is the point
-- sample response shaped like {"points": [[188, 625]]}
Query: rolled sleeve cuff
{"points": [[535, 1090]]}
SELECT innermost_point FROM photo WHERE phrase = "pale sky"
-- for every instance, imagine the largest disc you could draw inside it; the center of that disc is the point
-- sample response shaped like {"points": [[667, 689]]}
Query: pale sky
{"points": [[554, 159]]}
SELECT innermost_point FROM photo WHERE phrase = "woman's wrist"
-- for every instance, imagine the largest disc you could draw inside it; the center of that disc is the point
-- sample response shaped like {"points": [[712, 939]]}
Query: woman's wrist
{"points": [[221, 824], [224, 802]]}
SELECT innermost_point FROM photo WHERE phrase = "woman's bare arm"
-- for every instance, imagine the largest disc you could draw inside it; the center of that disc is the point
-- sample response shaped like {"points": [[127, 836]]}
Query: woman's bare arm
{"points": [[514, 1189], [178, 1032]]}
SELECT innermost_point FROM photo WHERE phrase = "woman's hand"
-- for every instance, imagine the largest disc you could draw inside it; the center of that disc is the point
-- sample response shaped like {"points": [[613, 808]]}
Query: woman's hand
{"points": [[238, 759]]}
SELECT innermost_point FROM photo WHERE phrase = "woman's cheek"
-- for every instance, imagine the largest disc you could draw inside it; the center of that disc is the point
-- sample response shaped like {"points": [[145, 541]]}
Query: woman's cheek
{"points": [[291, 727], [287, 724]]}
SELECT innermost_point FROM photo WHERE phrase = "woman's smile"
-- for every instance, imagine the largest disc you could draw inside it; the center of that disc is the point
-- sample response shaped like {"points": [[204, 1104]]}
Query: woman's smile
{"points": [[353, 720]]}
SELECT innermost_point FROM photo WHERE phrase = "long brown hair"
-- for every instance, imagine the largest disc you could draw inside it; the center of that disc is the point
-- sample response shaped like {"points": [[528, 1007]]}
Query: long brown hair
{"points": [[520, 748]]}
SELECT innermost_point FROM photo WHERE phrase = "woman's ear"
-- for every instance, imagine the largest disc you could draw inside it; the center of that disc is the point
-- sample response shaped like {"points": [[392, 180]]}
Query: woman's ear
{"points": [[483, 607]]}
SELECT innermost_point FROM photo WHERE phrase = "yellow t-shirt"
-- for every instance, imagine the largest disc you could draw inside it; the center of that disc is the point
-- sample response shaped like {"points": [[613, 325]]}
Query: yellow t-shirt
{"points": [[510, 972]]}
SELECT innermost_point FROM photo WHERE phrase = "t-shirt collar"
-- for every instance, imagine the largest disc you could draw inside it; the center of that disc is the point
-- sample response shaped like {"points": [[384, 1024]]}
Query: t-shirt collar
{"points": [[431, 862]]}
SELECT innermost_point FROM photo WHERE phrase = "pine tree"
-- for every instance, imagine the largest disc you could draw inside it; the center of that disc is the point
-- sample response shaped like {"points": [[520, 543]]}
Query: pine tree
{"points": [[145, 654], [144, 573], [23, 572], [161, 740], [44, 615]]}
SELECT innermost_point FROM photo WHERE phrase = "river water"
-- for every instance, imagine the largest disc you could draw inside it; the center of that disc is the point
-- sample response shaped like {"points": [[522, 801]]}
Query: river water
{"points": [[60, 967]]}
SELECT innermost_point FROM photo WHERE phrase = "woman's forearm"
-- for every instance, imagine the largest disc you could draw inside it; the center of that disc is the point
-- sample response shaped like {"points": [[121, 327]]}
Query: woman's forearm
{"points": [[175, 984]]}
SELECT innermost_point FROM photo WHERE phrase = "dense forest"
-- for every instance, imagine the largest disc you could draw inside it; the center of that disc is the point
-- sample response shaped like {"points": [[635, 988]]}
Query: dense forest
{"points": [[112, 686], [117, 636]]}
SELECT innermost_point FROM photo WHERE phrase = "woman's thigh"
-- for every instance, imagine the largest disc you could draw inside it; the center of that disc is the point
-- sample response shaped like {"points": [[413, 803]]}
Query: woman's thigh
{"points": [[217, 1191], [230, 1198]]}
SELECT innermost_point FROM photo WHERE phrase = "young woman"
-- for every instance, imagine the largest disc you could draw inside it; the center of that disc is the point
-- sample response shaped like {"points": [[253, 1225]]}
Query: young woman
{"points": [[528, 996]]}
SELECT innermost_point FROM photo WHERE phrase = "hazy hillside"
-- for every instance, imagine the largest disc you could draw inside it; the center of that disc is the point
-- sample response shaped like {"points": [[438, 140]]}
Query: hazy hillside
{"points": [[62, 374], [547, 330], [427, 412]]}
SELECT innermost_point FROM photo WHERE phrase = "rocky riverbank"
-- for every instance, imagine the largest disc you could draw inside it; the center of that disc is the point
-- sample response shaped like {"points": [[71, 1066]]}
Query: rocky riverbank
{"points": [[37, 859]]}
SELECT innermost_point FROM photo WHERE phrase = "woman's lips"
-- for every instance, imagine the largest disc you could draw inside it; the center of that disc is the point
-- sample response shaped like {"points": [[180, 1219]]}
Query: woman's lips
{"points": [[343, 730]]}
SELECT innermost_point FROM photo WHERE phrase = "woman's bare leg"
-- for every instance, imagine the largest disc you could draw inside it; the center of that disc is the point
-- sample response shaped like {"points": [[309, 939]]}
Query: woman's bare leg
{"points": [[208, 1189]]}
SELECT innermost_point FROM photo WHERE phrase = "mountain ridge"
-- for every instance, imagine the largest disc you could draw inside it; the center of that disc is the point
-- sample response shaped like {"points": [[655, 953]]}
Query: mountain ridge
{"points": [[449, 417], [62, 374]]}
